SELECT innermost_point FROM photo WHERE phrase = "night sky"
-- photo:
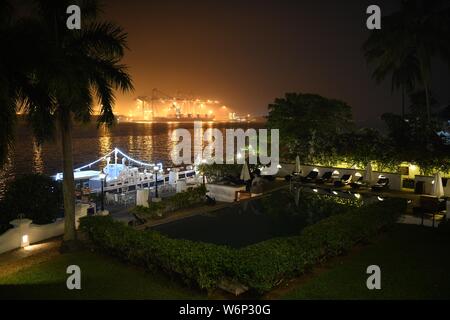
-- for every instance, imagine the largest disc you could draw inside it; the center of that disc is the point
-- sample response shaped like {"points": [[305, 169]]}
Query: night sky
{"points": [[245, 53]]}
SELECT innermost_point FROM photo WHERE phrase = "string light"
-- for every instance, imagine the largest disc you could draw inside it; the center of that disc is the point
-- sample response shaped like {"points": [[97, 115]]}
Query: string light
{"points": [[95, 162], [105, 158], [136, 161]]}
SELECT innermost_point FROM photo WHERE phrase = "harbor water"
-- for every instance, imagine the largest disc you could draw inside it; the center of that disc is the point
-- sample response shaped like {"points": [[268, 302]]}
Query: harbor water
{"points": [[148, 142]]}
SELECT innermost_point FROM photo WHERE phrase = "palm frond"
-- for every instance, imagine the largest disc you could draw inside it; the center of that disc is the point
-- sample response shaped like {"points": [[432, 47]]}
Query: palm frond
{"points": [[7, 122], [104, 39]]}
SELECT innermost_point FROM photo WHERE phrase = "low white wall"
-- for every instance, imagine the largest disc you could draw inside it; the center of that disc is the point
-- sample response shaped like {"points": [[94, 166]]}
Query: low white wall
{"points": [[223, 193], [12, 239]]}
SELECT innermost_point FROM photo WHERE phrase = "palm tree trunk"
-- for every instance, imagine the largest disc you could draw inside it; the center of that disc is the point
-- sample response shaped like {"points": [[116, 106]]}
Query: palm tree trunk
{"points": [[425, 78], [65, 126]]}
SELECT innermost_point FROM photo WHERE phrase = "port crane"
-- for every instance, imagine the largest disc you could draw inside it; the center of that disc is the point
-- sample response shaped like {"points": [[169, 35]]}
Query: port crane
{"points": [[181, 105]]}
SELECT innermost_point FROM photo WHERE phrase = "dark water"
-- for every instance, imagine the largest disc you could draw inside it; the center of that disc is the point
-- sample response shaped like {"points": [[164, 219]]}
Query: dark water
{"points": [[143, 141], [243, 224]]}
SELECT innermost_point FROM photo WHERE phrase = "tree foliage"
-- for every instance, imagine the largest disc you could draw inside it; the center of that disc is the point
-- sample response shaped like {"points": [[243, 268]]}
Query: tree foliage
{"points": [[58, 76], [309, 124], [35, 197], [328, 136], [408, 42]]}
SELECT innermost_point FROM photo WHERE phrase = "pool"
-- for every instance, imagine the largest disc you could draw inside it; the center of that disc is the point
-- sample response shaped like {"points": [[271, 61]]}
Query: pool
{"points": [[243, 224]]}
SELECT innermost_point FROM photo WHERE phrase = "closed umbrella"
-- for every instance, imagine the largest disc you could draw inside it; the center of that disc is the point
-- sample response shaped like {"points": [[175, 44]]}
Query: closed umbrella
{"points": [[198, 160], [298, 168], [245, 173], [368, 175], [438, 187]]}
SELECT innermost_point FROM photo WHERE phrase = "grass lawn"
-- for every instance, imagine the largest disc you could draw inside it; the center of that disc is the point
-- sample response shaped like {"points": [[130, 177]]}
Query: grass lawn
{"points": [[414, 262], [102, 278]]}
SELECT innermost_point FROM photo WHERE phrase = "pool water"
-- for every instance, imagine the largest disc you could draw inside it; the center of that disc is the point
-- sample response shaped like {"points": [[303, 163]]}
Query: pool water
{"points": [[275, 215]]}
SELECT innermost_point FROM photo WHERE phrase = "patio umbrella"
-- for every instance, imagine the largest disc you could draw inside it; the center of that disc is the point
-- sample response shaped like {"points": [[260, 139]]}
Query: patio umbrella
{"points": [[438, 187], [368, 175], [245, 173], [298, 168]]}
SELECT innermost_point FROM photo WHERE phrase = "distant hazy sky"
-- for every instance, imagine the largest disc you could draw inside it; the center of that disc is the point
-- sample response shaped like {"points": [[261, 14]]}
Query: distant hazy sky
{"points": [[245, 53]]}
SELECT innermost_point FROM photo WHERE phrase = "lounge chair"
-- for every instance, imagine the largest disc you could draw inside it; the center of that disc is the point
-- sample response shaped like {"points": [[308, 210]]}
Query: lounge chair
{"points": [[345, 180], [358, 183], [311, 177], [327, 177], [382, 184]]}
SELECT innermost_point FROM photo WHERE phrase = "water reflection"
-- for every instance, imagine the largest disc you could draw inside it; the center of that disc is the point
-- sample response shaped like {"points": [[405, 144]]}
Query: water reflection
{"points": [[105, 141], [146, 142], [145, 147]]}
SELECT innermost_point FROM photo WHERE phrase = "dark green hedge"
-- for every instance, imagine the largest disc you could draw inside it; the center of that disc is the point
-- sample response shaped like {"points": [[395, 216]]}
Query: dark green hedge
{"points": [[261, 266], [196, 262]]}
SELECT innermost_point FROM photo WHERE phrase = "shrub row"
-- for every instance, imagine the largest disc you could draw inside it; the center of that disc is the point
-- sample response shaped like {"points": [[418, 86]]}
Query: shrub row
{"points": [[324, 205], [261, 266], [178, 201], [196, 262]]}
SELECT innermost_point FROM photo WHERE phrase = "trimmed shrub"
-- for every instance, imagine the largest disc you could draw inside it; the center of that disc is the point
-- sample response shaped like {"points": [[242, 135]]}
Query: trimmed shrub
{"points": [[196, 263], [181, 200], [261, 266]]}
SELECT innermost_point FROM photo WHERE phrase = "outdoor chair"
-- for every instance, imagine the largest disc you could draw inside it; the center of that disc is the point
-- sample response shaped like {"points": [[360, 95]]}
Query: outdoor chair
{"points": [[382, 184], [293, 176], [358, 183], [311, 177], [327, 177], [345, 180]]}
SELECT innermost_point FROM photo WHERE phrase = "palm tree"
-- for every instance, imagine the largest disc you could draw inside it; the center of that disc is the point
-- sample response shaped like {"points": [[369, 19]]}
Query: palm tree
{"points": [[76, 69], [407, 43], [17, 61], [390, 51], [391, 57]]}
